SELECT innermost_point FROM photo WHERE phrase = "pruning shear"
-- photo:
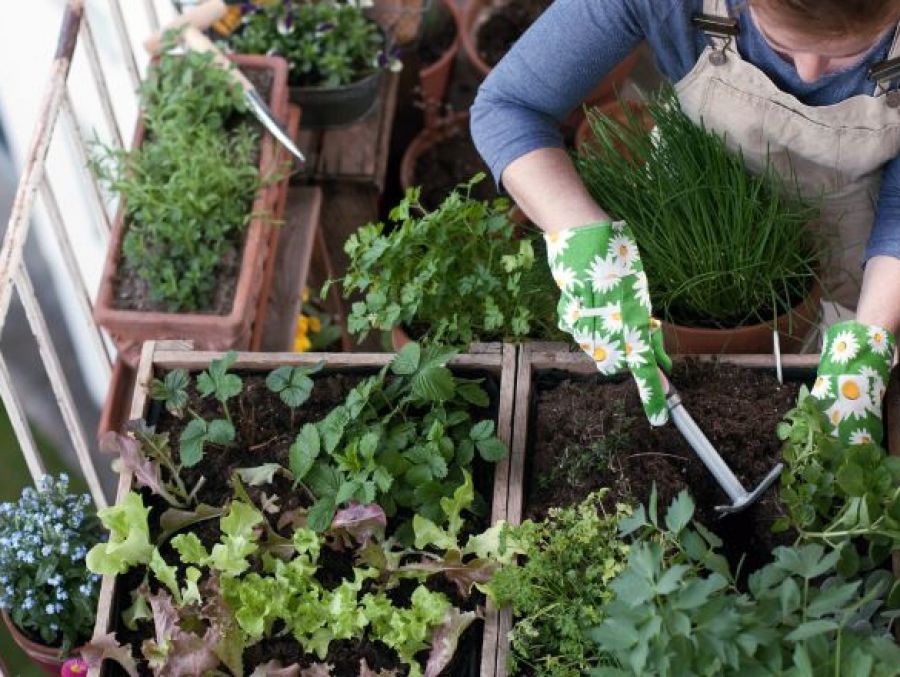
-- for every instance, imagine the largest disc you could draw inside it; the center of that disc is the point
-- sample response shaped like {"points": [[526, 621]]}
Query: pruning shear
{"points": [[728, 481], [198, 19]]}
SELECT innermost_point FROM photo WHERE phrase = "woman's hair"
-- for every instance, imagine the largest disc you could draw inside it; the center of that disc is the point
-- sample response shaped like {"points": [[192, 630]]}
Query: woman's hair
{"points": [[834, 18]]}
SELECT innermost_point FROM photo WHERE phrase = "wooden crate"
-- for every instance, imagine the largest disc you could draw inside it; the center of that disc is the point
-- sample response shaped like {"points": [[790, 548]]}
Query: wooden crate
{"points": [[496, 359], [535, 358]]}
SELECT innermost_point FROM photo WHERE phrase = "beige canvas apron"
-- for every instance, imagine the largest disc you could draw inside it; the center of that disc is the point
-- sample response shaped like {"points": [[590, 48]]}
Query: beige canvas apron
{"points": [[835, 152]]}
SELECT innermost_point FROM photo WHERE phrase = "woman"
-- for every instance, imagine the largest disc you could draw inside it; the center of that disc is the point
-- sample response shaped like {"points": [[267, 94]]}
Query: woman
{"points": [[785, 77]]}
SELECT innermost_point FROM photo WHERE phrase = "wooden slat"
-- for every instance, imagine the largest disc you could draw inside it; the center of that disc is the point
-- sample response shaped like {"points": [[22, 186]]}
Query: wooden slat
{"points": [[93, 57], [76, 281], [125, 43], [60, 386], [36, 157], [96, 194], [295, 250], [19, 421]]}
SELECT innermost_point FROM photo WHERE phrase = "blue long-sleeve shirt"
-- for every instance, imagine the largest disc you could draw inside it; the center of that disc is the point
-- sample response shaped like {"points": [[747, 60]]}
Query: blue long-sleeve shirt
{"points": [[575, 43]]}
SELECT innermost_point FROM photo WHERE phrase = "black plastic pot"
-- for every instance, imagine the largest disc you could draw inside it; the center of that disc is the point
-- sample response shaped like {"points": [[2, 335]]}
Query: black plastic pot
{"points": [[325, 107]]}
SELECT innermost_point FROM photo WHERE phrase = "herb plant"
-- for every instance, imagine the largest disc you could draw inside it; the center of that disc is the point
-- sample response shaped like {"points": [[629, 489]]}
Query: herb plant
{"points": [[677, 610], [44, 585], [721, 246], [189, 189], [838, 494], [402, 442], [457, 274], [561, 587], [326, 43]]}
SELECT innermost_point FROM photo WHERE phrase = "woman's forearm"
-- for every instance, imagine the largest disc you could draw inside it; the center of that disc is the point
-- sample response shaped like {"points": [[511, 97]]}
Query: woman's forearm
{"points": [[879, 300], [547, 188]]}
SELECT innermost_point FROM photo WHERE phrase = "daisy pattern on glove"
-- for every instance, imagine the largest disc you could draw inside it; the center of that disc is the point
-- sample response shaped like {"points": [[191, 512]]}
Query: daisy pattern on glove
{"points": [[851, 381], [605, 306]]}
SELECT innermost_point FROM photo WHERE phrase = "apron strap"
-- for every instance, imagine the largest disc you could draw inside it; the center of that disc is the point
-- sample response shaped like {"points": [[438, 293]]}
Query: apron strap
{"points": [[720, 30]]}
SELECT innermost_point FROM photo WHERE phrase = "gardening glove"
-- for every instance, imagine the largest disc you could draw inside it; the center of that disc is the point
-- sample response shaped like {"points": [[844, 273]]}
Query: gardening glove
{"points": [[605, 306], [853, 373]]}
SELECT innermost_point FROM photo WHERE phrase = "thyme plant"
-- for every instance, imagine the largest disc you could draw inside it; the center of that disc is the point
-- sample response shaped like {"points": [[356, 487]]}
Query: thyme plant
{"points": [[721, 246], [188, 190]]}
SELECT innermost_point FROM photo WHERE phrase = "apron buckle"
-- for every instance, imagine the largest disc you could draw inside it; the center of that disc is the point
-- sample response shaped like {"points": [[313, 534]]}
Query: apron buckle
{"points": [[882, 74], [717, 28]]}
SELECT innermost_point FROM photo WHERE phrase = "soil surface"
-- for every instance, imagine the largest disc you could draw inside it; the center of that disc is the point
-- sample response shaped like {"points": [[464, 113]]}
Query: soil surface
{"points": [[438, 34], [448, 163], [265, 429], [590, 433], [505, 25], [130, 292]]}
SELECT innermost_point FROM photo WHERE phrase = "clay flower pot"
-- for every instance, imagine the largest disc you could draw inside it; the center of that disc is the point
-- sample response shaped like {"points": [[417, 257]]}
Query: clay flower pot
{"points": [[793, 328], [130, 328], [427, 138], [47, 658], [434, 78]]}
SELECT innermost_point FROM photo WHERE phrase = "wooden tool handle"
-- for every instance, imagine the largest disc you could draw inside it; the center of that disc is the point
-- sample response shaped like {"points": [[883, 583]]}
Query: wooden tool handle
{"points": [[200, 16], [198, 42]]}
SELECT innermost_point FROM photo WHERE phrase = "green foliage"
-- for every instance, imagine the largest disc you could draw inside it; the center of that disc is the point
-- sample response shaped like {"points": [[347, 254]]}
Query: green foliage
{"points": [[129, 537], [461, 271], [188, 190], [561, 587], [403, 442], [198, 433], [326, 44], [677, 610], [836, 493], [721, 246], [292, 384]]}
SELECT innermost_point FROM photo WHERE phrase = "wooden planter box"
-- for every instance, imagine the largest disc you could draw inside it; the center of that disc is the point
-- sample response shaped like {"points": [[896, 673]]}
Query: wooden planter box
{"points": [[538, 358], [498, 360], [130, 328]]}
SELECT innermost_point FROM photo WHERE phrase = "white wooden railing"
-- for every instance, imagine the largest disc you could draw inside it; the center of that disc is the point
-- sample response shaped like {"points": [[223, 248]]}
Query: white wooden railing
{"points": [[75, 110]]}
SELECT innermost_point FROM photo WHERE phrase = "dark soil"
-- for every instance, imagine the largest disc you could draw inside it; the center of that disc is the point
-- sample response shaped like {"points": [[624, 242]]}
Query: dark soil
{"points": [[590, 433], [505, 25], [265, 430], [132, 293], [448, 163], [438, 33]]}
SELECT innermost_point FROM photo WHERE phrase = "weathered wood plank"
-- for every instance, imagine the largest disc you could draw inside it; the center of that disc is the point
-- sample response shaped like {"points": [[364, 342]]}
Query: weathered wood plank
{"points": [[295, 250]]}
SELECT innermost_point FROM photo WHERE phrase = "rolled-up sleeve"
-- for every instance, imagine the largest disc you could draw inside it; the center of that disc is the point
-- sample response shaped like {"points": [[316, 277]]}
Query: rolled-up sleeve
{"points": [[547, 73], [885, 237]]}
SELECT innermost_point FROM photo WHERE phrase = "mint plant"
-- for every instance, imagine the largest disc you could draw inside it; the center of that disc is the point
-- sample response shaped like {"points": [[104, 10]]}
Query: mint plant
{"points": [[188, 190], [458, 274]]}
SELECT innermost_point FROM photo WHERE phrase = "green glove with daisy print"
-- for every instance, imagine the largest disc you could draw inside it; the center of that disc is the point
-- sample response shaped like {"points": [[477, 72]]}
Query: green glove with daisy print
{"points": [[605, 306], [853, 374]]}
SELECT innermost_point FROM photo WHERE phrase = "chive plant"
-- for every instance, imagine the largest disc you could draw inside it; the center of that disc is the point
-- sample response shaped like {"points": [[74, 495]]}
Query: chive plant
{"points": [[721, 246]]}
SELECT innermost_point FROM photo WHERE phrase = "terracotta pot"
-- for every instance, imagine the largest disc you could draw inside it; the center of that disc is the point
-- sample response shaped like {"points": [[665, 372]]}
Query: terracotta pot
{"points": [[434, 78], [399, 338], [130, 328], [793, 328], [427, 138], [614, 110], [47, 658]]}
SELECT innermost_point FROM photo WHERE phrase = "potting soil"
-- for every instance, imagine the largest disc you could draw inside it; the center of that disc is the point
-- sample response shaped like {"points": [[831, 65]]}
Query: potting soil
{"points": [[587, 433], [447, 164], [505, 25]]}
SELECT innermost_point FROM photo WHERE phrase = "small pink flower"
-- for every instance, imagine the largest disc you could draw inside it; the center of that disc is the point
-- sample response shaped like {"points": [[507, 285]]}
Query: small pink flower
{"points": [[74, 667]]}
